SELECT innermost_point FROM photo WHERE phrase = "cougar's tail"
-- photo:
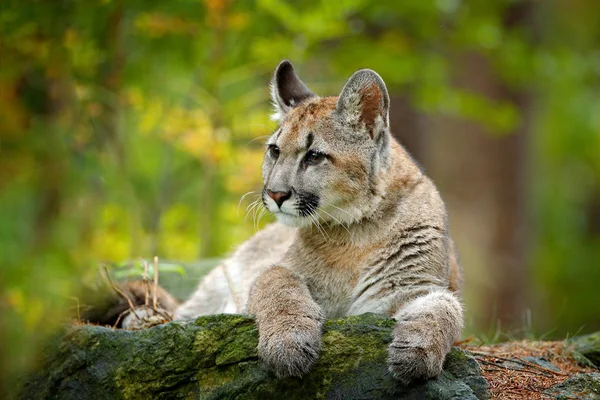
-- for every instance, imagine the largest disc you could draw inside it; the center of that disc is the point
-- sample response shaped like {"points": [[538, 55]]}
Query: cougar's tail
{"points": [[106, 306]]}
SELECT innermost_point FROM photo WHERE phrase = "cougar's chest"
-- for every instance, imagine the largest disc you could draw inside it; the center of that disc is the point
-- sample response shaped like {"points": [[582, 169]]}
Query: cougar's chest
{"points": [[331, 274]]}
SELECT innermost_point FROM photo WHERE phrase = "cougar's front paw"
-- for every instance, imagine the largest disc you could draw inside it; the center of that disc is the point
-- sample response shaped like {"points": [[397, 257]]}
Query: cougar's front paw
{"points": [[415, 354], [290, 348], [411, 363]]}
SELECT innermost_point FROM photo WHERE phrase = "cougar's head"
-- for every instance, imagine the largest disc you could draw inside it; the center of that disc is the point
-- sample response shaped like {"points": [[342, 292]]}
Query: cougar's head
{"points": [[324, 161]]}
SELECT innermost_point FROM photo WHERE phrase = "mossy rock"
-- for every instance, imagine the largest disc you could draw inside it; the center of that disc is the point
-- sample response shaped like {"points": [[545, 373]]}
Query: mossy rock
{"points": [[215, 357], [589, 347], [580, 386]]}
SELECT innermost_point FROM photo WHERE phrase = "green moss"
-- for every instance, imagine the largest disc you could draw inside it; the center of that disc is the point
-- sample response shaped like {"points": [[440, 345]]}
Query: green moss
{"points": [[364, 323], [342, 353], [215, 357], [213, 378], [243, 347], [224, 321]]}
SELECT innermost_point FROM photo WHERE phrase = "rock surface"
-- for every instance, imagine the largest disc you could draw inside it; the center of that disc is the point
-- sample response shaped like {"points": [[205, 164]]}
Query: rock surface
{"points": [[580, 386], [215, 357], [588, 346]]}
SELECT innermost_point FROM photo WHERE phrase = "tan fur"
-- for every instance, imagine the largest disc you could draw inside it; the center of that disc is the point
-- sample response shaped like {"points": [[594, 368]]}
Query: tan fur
{"points": [[281, 293], [455, 272], [368, 234], [355, 171], [311, 112]]}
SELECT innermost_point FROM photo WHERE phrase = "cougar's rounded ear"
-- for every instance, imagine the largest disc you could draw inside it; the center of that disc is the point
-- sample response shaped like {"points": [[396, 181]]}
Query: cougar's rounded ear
{"points": [[365, 100], [287, 90]]}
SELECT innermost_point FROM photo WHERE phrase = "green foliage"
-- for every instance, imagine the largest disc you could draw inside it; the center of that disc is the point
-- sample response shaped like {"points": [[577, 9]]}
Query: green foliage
{"points": [[141, 268], [132, 128]]}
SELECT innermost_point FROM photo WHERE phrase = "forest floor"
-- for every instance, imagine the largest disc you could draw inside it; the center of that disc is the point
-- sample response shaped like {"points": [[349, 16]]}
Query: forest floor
{"points": [[527, 369]]}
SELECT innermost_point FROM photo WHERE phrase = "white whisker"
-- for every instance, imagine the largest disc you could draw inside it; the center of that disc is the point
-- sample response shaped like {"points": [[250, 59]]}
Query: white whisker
{"points": [[255, 213], [339, 222], [251, 207], [253, 204], [344, 211], [261, 214], [314, 222], [257, 138], [318, 223], [242, 199]]}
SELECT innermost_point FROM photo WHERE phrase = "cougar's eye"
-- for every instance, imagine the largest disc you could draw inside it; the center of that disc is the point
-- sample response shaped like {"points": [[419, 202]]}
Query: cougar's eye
{"points": [[314, 157], [274, 151]]}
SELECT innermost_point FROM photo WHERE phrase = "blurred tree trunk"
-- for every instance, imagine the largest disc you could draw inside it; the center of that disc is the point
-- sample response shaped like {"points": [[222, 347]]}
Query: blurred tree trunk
{"points": [[405, 122], [483, 177], [111, 80]]}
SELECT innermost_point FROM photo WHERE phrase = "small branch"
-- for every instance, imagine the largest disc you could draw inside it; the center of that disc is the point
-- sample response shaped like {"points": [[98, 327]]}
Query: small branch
{"points": [[516, 360], [78, 308], [119, 319], [154, 301], [146, 284], [164, 314], [120, 292], [496, 367]]}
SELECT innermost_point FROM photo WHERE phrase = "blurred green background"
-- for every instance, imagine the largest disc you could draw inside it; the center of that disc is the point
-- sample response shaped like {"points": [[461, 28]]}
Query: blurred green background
{"points": [[132, 129]]}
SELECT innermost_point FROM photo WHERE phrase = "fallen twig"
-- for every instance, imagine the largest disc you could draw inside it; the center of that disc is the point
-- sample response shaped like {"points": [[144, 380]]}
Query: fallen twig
{"points": [[146, 283], [120, 292], [518, 361], [505, 369], [154, 301]]}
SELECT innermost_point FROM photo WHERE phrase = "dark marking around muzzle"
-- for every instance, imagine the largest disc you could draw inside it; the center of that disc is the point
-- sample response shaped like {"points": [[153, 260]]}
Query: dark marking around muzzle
{"points": [[307, 203]]}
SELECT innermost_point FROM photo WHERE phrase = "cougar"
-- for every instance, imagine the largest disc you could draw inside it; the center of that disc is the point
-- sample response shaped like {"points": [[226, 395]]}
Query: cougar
{"points": [[359, 229]]}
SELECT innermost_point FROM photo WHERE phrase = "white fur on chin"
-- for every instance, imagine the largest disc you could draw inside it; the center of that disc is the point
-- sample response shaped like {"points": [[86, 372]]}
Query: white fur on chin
{"points": [[293, 221]]}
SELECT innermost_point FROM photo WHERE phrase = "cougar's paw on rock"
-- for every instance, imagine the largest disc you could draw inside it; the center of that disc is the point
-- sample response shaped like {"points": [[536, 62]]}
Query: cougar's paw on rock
{"points": [[408, 364], [291, 350], [414, 353]]}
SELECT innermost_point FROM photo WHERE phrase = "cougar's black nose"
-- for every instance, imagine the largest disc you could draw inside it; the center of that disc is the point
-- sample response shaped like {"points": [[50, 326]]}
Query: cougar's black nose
{"points": [[279, 197]]}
